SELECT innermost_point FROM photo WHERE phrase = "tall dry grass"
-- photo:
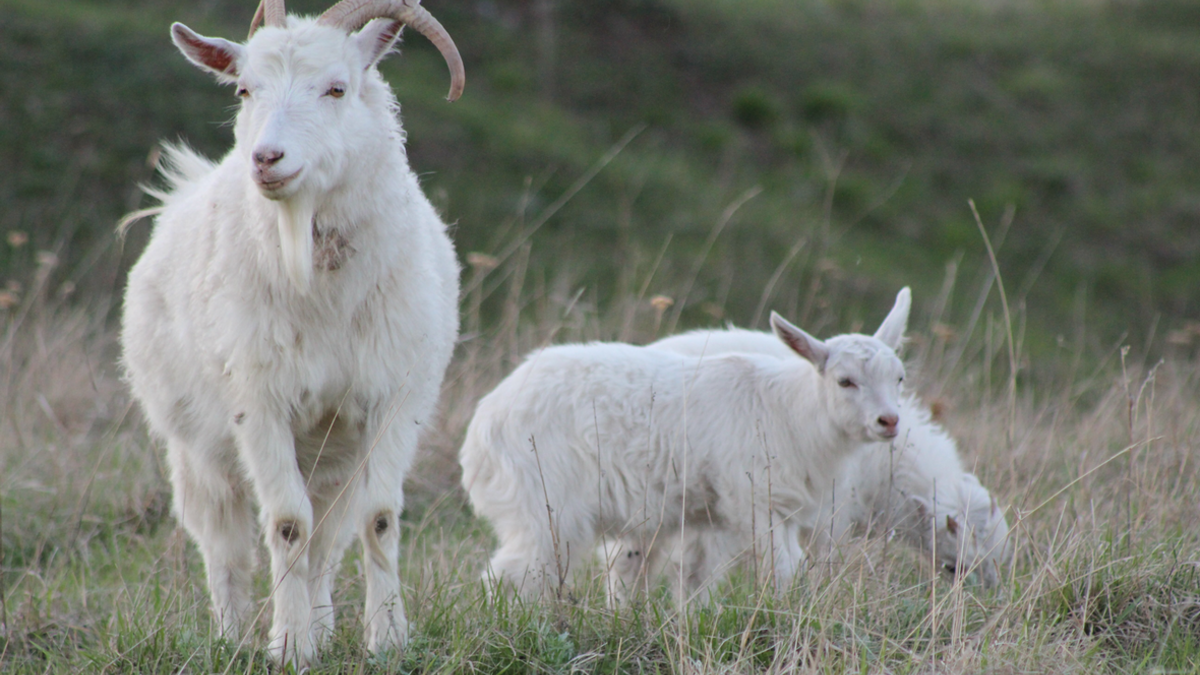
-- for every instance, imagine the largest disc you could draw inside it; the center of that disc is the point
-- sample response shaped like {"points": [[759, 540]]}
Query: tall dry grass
{"points": [[1094, 453]]}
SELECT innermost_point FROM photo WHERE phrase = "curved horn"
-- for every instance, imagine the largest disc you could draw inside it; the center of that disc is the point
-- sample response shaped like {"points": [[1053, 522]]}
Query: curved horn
{"points": [[272, 11], [354, 14]]}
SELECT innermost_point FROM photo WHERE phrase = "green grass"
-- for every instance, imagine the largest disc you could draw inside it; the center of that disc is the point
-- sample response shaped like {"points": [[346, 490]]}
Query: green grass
{"points": [[868, 126], [125, 603]]}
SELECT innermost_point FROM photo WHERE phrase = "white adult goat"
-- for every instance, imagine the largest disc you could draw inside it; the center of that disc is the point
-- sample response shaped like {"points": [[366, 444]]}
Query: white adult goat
{"points": [[289, 325], [915, 485], [632, 442]]}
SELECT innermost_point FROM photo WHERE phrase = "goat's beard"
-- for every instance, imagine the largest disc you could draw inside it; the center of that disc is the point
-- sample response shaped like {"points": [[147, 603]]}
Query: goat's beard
{"points": [[295, 239]]}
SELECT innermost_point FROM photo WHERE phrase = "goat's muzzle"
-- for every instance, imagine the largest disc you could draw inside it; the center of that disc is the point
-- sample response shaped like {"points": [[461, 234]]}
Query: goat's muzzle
{"points": [[271, 184], [889, 425]]}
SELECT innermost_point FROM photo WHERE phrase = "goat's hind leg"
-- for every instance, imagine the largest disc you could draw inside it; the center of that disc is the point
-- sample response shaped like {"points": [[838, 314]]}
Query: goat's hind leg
{"points": [[517, 565], [790, 558], [538, 555], [216, 510]]}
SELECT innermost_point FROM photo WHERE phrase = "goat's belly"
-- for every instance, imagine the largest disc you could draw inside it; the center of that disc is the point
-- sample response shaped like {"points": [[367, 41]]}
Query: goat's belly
{"points": [[329, 440], [661, 504]]}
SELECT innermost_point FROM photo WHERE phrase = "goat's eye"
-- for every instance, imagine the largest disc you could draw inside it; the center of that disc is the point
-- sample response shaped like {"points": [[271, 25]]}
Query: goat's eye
{"points": [[243, 92], [847, 383], [336, 91], [900, 381]]}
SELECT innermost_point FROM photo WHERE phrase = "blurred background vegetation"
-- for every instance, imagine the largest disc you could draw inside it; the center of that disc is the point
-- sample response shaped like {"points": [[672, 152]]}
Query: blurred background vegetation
{"points": [[822, 149]]}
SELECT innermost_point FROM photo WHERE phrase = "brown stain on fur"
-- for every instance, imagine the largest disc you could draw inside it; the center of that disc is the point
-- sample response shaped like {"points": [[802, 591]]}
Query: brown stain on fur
{"points": [[331, 249], [290, 531]]}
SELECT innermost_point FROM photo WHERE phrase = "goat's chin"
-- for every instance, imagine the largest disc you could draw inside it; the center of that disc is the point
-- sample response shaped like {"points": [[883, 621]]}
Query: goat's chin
{"points": [[278, 189]]}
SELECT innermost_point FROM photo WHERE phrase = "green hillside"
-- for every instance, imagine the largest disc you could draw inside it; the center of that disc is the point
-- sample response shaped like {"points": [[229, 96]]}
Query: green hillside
{"points": [[867, 124]]}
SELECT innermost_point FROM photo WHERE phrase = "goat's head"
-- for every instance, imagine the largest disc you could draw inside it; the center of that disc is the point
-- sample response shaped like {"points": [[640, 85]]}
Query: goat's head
{"points": [[313, 104], [965, 530], [309, 87], [860, 374]]}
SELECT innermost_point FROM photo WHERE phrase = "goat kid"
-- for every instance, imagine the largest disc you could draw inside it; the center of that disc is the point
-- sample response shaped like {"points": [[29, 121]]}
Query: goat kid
{"points": [[914, 485], [583, 441]]}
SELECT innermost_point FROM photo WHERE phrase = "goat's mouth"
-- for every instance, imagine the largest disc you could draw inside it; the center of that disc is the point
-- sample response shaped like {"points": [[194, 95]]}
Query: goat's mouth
{"points": [[878, 434], [272, 187]]}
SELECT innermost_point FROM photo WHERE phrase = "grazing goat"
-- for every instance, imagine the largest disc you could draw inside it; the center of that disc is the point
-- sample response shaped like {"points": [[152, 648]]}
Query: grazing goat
{"points": [[613, 440], [915, 485], [288, 327]]}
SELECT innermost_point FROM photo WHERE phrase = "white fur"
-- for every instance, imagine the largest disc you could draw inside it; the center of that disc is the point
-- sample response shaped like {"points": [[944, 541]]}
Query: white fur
{"points": [[285, 373], [583, 441], [915, 485]]}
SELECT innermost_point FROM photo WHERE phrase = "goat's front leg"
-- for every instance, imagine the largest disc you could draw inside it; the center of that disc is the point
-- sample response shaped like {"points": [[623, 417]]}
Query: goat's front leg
{"points": [[701, 559], [332, 534], [789, 555], [267, 449], [624, 568], [213, 504], [390, 444]]}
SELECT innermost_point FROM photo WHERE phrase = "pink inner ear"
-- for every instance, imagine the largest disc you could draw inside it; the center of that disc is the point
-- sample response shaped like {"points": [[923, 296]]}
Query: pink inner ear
{"points": [[383, 40], [798, 344], [390, 33], [211, 56]]}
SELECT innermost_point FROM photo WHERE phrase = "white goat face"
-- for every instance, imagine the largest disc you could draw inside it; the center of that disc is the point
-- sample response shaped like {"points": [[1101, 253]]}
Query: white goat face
{"points": [[309, 98], [969, 531], [861, 374], [864, 379]]}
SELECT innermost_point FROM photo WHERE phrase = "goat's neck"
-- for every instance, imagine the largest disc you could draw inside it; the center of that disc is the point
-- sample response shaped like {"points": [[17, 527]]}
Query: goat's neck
{"points": [[369, 185], [905, 519], [802, 408], [358, 217]]}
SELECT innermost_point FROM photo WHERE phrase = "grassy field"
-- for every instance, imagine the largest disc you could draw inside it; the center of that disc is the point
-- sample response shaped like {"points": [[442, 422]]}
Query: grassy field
{"points": [[1097, 467], [732, 157]]}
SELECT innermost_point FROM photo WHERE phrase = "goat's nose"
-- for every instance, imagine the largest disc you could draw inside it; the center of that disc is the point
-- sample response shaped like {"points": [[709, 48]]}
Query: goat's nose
{"points": [[265, 157], [889, 422]]}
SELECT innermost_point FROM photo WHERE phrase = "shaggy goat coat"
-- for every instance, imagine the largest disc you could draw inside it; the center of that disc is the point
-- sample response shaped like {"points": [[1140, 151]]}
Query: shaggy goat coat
{"points": [[582, 441], [305, 395], [897, 486]]}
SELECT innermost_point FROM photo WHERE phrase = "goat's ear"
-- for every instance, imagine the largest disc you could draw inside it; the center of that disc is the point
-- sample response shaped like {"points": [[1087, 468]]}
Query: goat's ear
{"points": [[217, 56], [800, 342], [891, 331], [923, 509], [920, 506], [952, 525], [376, 38]]}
